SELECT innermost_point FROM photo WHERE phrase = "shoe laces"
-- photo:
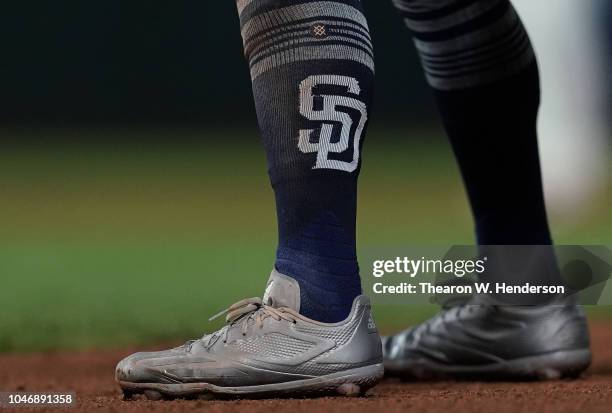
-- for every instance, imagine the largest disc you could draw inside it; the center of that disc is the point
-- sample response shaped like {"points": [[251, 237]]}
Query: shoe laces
{"points": [[251, 309]]}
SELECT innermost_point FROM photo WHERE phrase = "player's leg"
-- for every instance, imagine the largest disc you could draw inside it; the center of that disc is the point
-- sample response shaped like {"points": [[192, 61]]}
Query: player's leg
{"points": [[480, 64], [311, 65], [478, 59]]}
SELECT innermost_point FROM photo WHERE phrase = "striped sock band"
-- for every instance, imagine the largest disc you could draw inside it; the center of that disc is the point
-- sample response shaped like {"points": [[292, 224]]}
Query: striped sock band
{"points": [[274, 36], [467, 43]]}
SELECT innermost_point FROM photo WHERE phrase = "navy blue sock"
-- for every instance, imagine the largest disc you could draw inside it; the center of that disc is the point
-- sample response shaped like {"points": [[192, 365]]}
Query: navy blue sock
{"points": [[493, 133], [479, 61], [312, 72]]}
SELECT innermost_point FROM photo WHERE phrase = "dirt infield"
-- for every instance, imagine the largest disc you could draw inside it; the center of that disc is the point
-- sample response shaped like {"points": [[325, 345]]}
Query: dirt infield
{"points": [[90, 375]]}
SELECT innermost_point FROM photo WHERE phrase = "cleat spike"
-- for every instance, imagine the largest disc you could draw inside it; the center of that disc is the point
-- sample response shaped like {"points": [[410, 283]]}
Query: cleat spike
{"points": [[206, 396], [153, 394], [548, 374], [349, 390]]}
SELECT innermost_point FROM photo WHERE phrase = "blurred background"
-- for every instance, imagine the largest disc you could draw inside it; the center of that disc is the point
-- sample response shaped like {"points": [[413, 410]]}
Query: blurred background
{"points": [[134, 199]]}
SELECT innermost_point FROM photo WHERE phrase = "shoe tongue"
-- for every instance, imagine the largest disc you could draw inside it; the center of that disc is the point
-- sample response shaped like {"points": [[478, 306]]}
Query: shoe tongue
{"points": [[282, 291]]}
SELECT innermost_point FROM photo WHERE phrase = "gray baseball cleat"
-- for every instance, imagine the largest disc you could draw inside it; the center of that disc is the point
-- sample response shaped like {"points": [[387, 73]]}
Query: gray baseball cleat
{"points": [[267, 349], [483, 341]]}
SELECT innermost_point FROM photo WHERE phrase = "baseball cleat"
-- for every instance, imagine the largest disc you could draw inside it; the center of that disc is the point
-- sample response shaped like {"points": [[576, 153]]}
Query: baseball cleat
{"points": [[267, 349], [483, 341]]}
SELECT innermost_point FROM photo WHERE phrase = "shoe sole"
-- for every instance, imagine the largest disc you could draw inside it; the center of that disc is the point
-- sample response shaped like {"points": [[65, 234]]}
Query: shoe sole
{"points": [[354, 382], [549, 366]]}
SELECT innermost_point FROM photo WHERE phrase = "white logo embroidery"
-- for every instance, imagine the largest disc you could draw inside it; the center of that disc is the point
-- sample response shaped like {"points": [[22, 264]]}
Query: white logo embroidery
{"points": [[371, 324], [330, 116]]}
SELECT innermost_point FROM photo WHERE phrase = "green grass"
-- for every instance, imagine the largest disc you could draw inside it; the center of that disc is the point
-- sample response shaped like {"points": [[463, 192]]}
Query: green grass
{"points": [[115, 244]]}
